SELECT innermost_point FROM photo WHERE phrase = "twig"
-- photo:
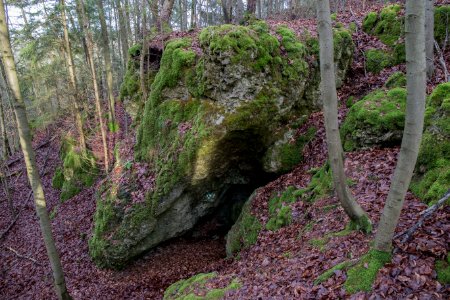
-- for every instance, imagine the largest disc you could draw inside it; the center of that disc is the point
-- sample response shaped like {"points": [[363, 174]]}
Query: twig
{"points": [[425, 214], [10, 226], [23, 256], [442, 61]]}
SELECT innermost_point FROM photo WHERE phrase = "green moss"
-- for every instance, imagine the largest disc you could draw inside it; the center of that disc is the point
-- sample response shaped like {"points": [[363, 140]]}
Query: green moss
{"points": [[441, 23], [443, 270], [370, 21], [377, 119], [330, 272], [135, 50], [397, 79], [319, 243], [291, 153], [58, 179], [377, 60], [78, 170], [320, 186], [53, 213], [361, 276], [185, 289], [433, 163], [279, 210]]}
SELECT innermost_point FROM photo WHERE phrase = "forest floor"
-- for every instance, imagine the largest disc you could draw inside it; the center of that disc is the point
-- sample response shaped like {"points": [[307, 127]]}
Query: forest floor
{"points": [[281, 265]]}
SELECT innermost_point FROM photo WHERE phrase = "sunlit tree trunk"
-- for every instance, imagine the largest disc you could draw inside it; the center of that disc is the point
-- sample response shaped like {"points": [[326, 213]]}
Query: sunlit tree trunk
{"points": [[29, 157], [429, 37], [329, 98], [85, 27], [73, 95], [107, 59], [412, 134], [123, 32], [6, 152]]}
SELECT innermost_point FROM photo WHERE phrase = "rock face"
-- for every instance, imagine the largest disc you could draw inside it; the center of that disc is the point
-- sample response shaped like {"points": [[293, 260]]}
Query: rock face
{"points": [[220, 115]]}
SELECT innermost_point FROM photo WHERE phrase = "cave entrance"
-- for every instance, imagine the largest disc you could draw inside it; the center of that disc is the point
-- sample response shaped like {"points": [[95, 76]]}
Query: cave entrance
{"points": [[240, 154]]}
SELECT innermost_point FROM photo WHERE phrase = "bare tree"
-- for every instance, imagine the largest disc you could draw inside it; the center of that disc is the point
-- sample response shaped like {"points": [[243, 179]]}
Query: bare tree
{"points": [[29, 157], [412, 135], [329, 98]]}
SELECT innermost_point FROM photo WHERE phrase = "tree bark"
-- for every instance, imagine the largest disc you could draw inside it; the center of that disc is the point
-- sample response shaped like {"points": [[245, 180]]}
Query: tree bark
{"points": [[429, 37], [29, 156], [107, 59], [85, 27], [6, 152], [74, 96], [412, 134], [122, 33], [329, 98], [166, 13], [193, 13], [143, 52], [251, 6], [226, 11]]}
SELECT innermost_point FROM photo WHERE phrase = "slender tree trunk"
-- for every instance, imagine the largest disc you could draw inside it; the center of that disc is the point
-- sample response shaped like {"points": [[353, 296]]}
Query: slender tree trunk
{"points": [[6, 152], [429, 37], [226, 11], [412, 134], [85, 25], [251, 6], [194, 11], [127, 18], [123, 32], [329, 98], [29, 156], [107, 59], [74, 94], [166, 13], [143, 52]]}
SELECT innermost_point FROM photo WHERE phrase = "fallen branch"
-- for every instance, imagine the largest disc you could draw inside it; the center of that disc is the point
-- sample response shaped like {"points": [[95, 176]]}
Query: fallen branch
{"points": [[10, 226], [425, 215], [35, 149], [23, 256]]}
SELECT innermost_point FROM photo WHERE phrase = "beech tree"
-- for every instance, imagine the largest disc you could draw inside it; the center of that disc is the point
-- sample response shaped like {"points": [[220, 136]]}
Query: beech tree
{"points": [[412, 134], [329, 98], [29, 157]]}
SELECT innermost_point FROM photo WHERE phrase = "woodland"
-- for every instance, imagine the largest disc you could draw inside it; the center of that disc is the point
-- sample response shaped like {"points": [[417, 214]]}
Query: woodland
{"points": [[224, 149]]}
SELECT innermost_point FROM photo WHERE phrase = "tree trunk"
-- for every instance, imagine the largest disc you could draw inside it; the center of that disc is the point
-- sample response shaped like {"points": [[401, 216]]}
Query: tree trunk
{"points": [[226, 11], [329, 98], [143, 84], [123, 33], [412, 134], [107, 59], [251, 6], [127, 18], [6, 152], [429, 37], [85, 26], [193, 12], [166, 13], [29, 156], [73, 95]]}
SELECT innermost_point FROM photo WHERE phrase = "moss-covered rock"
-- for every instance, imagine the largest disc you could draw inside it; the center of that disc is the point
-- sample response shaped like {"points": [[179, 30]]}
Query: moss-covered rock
{"points": [[432, 173], [441, 23], [78, 170], [376, 120], [244, 232], [196, 288], [213, 120], [397, 79], [362, 276], [387, 25], [377, 60]]}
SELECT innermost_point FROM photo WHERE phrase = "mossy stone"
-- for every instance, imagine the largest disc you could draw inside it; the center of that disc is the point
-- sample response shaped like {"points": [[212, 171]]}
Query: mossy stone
{"points": [[377, 60], [397, 79], [443, 270]]}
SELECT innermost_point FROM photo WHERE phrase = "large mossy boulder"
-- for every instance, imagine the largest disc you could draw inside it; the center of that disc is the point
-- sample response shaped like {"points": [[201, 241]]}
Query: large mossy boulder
{"points": [[432, 179], [78, 170], [221, 113], [376, 120]]}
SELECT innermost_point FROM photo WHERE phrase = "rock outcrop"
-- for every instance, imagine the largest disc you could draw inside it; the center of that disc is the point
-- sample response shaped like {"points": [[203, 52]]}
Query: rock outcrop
{"points": [[221, 113]]}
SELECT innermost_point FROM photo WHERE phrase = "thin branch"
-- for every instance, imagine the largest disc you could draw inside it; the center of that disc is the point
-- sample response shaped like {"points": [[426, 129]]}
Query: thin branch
{"points": [[425, 215], [10, 226], [23, 256]]}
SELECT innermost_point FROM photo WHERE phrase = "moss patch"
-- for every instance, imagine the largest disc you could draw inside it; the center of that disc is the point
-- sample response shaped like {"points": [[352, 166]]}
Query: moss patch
{"points": [[377, 60], [441, 23], [433, 163], [377, 119], [361, 276], [387, 25], [397, 79], [330, 272], [279, 210], [443, 270], [186, 289], [244, 232], [78, 170]]}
